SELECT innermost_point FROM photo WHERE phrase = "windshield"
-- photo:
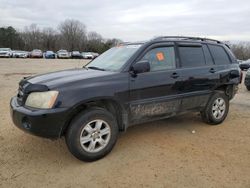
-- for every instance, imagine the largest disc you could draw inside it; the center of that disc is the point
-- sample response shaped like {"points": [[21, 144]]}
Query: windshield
{"points": [[62, 51], [37, 51], [114, 58], [4, 49]]}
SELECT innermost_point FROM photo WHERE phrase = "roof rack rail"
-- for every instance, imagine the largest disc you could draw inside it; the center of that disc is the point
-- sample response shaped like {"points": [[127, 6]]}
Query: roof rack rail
{"points": [[131, 43], [186, 38]]}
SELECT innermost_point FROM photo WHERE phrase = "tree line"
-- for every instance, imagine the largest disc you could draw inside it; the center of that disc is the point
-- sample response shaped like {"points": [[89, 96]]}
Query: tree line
{"points": [[70, 35], [241, 50]]}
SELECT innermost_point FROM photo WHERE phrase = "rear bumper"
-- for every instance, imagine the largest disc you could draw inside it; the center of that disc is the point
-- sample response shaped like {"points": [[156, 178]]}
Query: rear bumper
{"points": [[44, 123]]}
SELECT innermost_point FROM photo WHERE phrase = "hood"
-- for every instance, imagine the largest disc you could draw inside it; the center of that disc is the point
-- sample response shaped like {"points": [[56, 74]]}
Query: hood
{"points": [[57, 79], [4, 51]]}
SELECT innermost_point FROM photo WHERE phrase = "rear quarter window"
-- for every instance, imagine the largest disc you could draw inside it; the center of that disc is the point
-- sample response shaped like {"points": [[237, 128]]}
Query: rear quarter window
{"points": [[219, 55]]}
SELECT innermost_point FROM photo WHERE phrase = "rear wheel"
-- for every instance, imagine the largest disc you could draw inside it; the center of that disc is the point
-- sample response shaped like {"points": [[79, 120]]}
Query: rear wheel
{"points": [[248, 88], [216, 110], [92, 134]]}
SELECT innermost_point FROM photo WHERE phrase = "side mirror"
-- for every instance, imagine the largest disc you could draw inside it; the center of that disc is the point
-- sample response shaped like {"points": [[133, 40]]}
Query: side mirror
{"points": [[140, 67]]}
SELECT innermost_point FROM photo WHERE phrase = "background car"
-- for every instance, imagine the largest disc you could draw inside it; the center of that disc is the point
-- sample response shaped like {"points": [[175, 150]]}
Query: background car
{"points": [[245, 65], [95, 55], [36, 53], [19, 54], [76, 55], [63, 54], [87, 55], [247, 80], [49, 55], [5, 52]]}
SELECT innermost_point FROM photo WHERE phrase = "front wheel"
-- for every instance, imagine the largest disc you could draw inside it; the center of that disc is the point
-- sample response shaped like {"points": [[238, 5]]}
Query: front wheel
{"points": [[248, 88], [216, 110], [92, 134]]}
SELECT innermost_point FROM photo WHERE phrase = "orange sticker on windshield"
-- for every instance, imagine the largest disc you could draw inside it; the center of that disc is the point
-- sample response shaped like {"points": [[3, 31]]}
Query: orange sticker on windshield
{"points": [[160, 56]]}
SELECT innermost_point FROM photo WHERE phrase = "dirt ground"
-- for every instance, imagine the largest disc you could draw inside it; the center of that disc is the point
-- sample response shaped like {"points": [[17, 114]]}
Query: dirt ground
{"points": [[159, 154]]}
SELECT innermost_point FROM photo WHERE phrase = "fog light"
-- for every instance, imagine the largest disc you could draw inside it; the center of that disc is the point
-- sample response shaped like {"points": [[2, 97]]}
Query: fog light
{"points": [[26, 124]]}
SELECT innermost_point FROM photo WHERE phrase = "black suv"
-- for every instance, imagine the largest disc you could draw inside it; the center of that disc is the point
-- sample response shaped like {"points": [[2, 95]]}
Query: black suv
{"points": [[128, 84]]}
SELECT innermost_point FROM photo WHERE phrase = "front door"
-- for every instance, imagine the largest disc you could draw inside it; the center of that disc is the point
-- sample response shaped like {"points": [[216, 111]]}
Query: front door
{"points": [[153, 93]]}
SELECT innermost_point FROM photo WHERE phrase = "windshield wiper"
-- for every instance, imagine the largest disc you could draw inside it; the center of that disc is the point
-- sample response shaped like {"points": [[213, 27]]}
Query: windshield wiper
{"points": [[96, 68]]}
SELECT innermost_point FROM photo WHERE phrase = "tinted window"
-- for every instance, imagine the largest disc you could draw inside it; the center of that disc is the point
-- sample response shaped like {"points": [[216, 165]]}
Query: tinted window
{"points": [[208, 57], [191, 56], [219, 54], [161, 58]]}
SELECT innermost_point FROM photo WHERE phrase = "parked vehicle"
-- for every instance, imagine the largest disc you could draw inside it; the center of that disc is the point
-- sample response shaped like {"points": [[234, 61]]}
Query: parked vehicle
{"points": [[87, 55], [128, 85], [29, 54], [76, 55], [19, 54], [245, 65], [49, 55], [247, 80], [36, 53], [5, 52], [63, 54], [95, 55]]}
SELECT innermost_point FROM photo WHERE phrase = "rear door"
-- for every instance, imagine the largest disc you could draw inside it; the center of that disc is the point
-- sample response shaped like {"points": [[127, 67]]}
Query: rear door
{"points": [[196, 75], [153, 93], [222, 63]]}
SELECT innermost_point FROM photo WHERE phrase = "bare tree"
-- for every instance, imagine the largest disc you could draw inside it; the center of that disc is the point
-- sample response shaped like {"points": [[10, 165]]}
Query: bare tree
{"points": [[32, 37], [73, 34], [50, 39], [241, 50], [95, 42]]}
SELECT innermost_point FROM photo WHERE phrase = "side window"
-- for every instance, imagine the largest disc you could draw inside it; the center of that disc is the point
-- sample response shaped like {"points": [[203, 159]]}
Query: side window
{"points": [[208, 57], [161, 58], [191, 56], [219, 54]]}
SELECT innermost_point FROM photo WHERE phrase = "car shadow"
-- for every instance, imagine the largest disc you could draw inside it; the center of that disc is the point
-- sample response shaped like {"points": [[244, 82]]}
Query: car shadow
{"points": [[55, 151]]}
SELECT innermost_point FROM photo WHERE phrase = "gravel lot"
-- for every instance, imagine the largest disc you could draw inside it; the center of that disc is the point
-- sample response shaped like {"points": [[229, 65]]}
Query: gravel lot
{"points": [[159, 154]]}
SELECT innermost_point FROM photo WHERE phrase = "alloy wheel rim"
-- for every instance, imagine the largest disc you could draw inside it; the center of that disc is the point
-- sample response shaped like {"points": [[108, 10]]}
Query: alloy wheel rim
{"points": [[95, 136], [219, 108]]}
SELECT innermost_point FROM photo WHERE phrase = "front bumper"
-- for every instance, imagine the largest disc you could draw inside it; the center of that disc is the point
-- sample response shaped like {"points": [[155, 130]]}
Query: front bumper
{"points": [[4, 55], [45, 123]]}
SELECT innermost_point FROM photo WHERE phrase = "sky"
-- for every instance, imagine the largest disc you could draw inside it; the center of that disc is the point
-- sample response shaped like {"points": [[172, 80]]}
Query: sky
{"points": [[136, 20]]}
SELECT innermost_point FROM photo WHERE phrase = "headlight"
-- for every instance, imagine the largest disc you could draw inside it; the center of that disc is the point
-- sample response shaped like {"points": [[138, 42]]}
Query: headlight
{"points": [[43, 100]]}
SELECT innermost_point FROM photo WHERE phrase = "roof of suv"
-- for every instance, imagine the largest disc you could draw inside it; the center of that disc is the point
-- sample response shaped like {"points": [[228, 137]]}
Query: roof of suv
{"points": [[178, 38]]}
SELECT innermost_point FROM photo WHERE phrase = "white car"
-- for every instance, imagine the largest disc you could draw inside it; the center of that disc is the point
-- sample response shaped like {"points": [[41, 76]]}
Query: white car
{"points": [[63, 54], [87, 55], [19, 54], [5, 52]]}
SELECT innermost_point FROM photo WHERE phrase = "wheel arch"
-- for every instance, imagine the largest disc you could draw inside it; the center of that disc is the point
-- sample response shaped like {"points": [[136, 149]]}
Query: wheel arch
{"points": [[108, 103]]}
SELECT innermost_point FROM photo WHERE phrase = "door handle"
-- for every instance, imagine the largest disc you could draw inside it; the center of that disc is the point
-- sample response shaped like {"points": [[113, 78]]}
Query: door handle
{"points": [[212, 70], [175, 75]]}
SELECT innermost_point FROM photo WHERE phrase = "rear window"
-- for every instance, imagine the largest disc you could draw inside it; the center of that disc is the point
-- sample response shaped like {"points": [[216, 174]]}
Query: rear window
{"points": [[191, 56], [219, 54]]}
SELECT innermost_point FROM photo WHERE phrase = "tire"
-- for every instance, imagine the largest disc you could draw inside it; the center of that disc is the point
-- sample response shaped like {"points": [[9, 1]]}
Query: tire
{"points": [[95, 143], [248, 88], [216, 110]]}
